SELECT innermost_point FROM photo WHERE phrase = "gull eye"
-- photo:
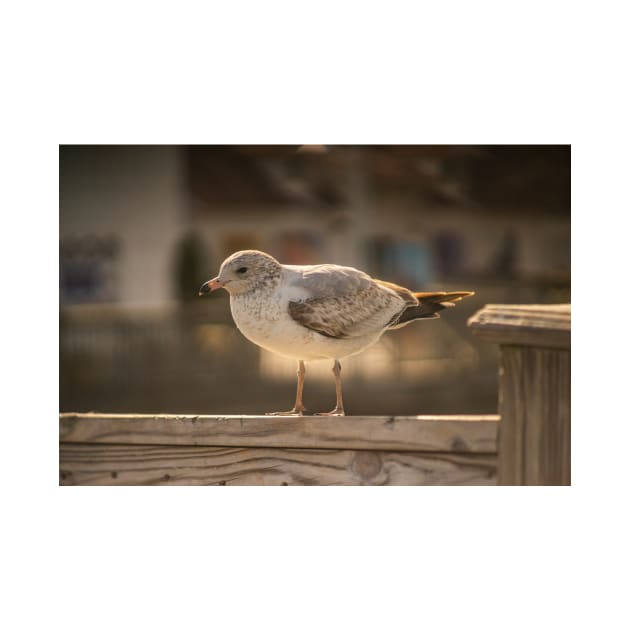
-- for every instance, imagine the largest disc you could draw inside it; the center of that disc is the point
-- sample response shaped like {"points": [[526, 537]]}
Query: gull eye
{"points": [[241, 270]]}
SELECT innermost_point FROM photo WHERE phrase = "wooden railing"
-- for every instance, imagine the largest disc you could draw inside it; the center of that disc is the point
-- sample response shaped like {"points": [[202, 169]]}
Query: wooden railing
{"points": [[528, 443], [98, 449]]}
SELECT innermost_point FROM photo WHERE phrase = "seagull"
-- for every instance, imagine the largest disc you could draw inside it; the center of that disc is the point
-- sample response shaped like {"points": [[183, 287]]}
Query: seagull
{"points": [[309, 312]]}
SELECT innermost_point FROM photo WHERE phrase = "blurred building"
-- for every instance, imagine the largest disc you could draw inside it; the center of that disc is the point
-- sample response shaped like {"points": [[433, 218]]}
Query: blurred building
{"points": [[142, 227]]}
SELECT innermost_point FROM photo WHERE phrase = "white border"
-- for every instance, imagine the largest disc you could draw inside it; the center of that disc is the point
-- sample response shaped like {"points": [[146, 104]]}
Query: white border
{"points": [[450, 72]]}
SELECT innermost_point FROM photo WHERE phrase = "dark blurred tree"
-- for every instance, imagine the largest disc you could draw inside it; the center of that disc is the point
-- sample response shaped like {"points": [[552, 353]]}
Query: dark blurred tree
{"points": [[505, 261], [188, 267]]}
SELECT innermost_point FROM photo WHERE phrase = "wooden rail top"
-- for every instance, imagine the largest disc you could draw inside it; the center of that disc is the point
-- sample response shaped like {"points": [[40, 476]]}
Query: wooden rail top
{"points": [[541, 325], [465, 434]]}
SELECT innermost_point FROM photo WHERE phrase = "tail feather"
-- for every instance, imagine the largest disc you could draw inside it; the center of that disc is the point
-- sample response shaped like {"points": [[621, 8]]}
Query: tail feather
{"points": [[428, 306], [443, 296]]}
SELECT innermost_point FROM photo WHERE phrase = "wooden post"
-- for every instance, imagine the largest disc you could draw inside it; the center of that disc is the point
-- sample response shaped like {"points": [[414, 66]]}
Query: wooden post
{"points": [[534, 390]]}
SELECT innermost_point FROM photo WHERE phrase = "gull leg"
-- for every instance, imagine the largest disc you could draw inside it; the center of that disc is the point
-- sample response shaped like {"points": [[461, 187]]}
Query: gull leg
{"points": [[298, 408], [338, 410]]}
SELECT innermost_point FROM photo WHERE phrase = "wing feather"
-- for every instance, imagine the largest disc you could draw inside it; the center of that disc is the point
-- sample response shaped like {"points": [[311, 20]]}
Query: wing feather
{"points": [[344, 302]]}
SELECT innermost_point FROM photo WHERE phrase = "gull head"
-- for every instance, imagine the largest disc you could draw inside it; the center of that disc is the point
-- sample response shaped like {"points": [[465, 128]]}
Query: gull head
{"points": [[244, 271]]}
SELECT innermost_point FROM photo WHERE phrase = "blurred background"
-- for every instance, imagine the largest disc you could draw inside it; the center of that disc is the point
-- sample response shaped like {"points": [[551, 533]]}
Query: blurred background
{"points": [[142, 227]]}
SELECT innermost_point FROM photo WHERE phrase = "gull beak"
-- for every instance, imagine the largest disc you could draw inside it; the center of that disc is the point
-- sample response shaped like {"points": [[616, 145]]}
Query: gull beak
{"points": [[211, 285]]}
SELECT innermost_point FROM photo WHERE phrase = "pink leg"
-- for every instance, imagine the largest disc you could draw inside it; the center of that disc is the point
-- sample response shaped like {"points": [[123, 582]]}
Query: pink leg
{"points": [[299, 408], [338, 410]]}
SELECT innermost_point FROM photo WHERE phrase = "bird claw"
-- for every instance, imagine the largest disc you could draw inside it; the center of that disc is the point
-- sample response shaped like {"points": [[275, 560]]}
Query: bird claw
{"points": [[293, 412], [335, 412]]}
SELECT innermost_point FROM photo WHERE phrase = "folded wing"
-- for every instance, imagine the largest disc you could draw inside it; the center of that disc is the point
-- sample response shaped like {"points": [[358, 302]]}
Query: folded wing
{"points": [[342, 302]]}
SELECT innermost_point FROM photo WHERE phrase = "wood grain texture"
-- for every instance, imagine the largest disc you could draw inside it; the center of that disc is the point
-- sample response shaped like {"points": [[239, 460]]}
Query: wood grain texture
{"points": [[541, 325], [457, 434], [535, 406], [124, 464]]}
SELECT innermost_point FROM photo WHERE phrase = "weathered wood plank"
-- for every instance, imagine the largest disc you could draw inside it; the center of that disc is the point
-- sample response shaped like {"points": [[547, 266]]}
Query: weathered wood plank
{"points": [[461, 434], [535, 404], [541, 325], [123, 464]]}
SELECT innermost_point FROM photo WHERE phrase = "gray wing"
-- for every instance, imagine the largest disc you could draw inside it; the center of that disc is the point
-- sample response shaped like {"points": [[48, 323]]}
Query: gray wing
{"points": [[344, 302]]}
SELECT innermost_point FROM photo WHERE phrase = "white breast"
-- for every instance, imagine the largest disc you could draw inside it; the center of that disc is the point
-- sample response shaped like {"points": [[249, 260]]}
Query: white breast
{"points": [[264, 319]]}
